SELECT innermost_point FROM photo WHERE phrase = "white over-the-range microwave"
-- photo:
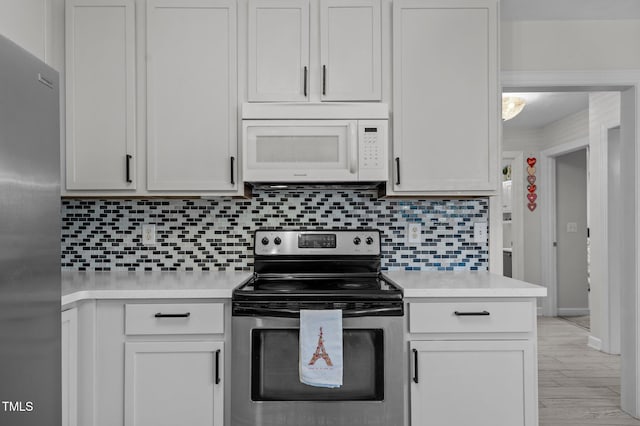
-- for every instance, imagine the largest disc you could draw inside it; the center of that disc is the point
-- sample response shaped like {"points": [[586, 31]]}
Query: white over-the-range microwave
{"points": [[315, 143]]}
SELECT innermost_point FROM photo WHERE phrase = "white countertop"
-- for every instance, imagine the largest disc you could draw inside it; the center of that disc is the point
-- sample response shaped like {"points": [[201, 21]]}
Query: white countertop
{"points": [[462, 284], [78, 286]]}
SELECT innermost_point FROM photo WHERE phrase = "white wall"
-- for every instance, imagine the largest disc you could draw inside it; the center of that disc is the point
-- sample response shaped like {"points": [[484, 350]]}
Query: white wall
{"points": [[569, 129], [570, 45], [528, 142], [571, 208]]}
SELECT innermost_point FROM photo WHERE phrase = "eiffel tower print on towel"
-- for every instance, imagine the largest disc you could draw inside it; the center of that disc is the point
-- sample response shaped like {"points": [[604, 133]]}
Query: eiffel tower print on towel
{"points": [[321, 352]]}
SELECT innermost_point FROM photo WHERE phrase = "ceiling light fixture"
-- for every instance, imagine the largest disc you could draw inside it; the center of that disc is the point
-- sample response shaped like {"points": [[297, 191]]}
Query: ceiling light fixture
{"points": [[511, 106]]}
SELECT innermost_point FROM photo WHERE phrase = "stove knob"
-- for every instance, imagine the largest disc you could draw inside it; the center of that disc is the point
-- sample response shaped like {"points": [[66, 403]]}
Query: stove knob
{"points": [[356, 241], [369, 241], [277, 240], [265, 241]]}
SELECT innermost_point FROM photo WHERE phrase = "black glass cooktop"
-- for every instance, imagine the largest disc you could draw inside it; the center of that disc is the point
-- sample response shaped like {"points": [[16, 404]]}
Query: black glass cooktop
{"points": [[362, 287]]}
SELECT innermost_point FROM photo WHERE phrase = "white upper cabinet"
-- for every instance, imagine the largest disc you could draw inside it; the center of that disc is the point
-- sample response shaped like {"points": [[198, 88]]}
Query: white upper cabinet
{"points": [[445, 97], [100, 95], [278, 63], [342, 64], [28, 24], [191, 95], [350, 50]]}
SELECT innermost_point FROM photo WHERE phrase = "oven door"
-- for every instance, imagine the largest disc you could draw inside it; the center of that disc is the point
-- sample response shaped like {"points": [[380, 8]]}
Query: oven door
{"points": [[266, 390]]}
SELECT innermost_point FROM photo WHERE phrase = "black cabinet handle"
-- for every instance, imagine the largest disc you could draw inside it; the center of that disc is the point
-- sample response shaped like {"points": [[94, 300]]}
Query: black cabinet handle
{"points": [[128, 165], [217, 379], [161, 315], [415, 365], [233, 162], [304, 82], [397, 170], [471, 314], [324, 80]]}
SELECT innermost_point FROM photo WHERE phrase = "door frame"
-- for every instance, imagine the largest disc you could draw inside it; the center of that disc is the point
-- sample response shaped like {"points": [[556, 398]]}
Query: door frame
{"points": [[517, 211], [548, 251], [627, 82]]}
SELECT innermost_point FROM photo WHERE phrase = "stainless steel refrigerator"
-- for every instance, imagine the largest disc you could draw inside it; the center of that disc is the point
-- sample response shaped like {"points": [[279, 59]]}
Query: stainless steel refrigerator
{"points": [[29, 240]]}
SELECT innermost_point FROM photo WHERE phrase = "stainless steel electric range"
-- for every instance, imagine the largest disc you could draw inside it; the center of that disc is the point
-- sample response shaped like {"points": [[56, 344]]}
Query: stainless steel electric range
{"points": [[333, 269]]}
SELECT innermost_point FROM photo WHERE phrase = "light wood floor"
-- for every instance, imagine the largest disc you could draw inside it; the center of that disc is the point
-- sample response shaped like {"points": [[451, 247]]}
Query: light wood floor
{"points": [[578, 385]]}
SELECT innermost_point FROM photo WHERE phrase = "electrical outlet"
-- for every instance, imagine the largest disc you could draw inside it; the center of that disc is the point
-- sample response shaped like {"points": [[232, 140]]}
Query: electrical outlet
{"points": [[572, 227], [414, 232], [148, 235], [480, 232]]}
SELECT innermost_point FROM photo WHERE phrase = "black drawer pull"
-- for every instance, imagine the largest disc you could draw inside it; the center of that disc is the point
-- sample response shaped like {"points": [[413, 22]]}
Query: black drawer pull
{"points": [[161, 315], [217, 380], [398, 170], [471, 314], [415, 365]]}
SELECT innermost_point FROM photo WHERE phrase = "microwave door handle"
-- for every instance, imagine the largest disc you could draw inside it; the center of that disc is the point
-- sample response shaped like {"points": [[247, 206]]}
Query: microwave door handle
{"points": [[353, 146]]}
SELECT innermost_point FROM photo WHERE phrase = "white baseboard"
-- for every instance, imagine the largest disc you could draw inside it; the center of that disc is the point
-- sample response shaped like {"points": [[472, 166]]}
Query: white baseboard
{"points": [[572, 312], [594, 343]]}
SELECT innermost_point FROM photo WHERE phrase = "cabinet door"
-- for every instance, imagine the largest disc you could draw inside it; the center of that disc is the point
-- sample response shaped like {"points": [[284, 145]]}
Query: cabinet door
{"points": [[100, 94], [69, 344], [480, 383], [445, 96], [278, 62], [173, 383], [350, 50], [191, 95]]}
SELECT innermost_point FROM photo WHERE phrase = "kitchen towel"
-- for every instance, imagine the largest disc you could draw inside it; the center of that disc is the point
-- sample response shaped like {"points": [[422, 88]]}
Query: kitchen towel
{"points": [[321, 348]]}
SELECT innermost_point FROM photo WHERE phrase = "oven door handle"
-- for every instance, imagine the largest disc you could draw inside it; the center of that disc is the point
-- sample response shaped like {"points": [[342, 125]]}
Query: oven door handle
{"points": [[373, 311], [280, 312], [265, 312]]}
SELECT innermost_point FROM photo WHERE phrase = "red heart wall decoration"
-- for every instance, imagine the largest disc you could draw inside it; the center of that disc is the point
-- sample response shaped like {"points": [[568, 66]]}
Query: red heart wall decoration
{"points": [[531, 161], [532, 198], [532, 206], [531, 188], [531, 179]]}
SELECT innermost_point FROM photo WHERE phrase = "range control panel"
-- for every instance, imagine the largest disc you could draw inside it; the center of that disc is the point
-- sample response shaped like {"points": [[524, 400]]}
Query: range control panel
{"points": [[332, 242]]}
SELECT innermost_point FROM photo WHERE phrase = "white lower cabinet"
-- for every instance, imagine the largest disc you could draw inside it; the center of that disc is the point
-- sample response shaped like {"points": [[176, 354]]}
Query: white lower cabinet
{"points": [[472, 362], [173, 383], [480, 383], [69, 367], [157, 363]]}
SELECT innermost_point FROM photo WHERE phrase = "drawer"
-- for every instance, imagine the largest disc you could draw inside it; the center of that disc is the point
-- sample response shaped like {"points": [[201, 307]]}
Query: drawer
{"points": [[481, 317], [174, 318]]}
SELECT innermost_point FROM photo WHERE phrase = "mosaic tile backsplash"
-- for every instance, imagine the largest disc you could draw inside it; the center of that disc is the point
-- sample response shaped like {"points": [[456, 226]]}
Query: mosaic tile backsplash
{"points": [[217, 234]]}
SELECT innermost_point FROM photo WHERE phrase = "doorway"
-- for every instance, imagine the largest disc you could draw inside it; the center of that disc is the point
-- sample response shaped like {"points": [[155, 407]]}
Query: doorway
{"points": [[571, 237], [627, 85]]}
